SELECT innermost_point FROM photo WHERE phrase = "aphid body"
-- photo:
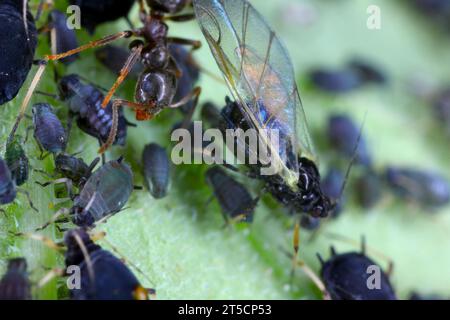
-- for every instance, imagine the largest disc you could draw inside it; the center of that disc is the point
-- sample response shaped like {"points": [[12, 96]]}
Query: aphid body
{"points": [[17, 48], [17, 161], [104, 276], [8, 190], [84, 102], [426, 188], [346, 277], [48, 130], [106, 192], [15, 284], [234, 199], [156, 165]]}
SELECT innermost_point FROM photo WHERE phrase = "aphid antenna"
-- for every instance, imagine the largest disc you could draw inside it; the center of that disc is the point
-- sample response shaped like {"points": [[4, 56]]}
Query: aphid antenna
{"points": [[102, 236], [86, 256], [353, 158], [309, 273]]}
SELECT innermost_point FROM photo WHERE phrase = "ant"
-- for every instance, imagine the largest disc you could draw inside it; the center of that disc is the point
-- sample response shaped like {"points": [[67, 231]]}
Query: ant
{"points": [[157, 84]]}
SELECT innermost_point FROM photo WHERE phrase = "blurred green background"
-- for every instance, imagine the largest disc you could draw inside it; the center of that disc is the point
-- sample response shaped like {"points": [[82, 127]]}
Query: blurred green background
{"points": [[179, 241]]}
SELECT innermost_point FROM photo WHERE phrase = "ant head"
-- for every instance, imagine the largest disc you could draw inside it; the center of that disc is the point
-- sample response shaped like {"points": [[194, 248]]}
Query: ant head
{"points": [[156, 57], [78, 243], [168, 6]]}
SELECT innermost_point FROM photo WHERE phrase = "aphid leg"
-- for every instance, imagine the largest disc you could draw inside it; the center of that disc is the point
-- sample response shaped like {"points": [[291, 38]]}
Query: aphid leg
{"points": [[38, 237], [66, 181], [60, 216], [295, 246], [27, 133], [27, 195], [3, 211], [52, 274], [102, 237], [100, 143], [185, 42], [131, 61], [142, 12], [93, 165]]}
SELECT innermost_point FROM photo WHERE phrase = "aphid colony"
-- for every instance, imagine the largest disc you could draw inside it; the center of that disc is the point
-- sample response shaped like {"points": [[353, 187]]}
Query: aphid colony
{"points": [[262, 84]]}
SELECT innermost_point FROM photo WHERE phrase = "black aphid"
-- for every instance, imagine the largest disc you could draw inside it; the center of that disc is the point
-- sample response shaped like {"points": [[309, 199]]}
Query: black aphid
{"points": [[103, 275], [335, 81], [367, 71], [156, 165], [15, 284], [343, 135], [18, 41], [84, 103], [8, 189], [17, 160], [114, 58], [96, 12], [426, 188], [354, 276], [62, 38], [234, 199], [48, 129]]}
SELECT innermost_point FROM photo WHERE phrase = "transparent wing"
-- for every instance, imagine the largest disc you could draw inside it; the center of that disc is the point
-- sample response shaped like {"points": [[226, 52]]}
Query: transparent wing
{"points": [[260, 75]]}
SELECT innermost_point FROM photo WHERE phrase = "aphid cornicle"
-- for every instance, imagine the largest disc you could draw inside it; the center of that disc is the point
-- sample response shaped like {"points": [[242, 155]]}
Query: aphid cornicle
{"points": [[259, 73], [18, 42], [156, 165], [48, 129], [103, 276], [96, 12], [17, 160], [234, 199], [426, 188], [347, 277], [15, 284], [84, 103]]}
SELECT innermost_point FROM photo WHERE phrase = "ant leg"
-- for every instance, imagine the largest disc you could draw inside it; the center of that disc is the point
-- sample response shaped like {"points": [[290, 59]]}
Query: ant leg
{"points": [[45, 240], [194, 95], [131, 61], [43, 64], [63, 212], [28, 198], [180, 18], [115, 119], [186, 42], [142, 12]]}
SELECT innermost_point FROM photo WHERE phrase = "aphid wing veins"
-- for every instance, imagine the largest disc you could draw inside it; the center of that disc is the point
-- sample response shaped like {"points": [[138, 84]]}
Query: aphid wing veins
{"points": [[259, 76]]}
